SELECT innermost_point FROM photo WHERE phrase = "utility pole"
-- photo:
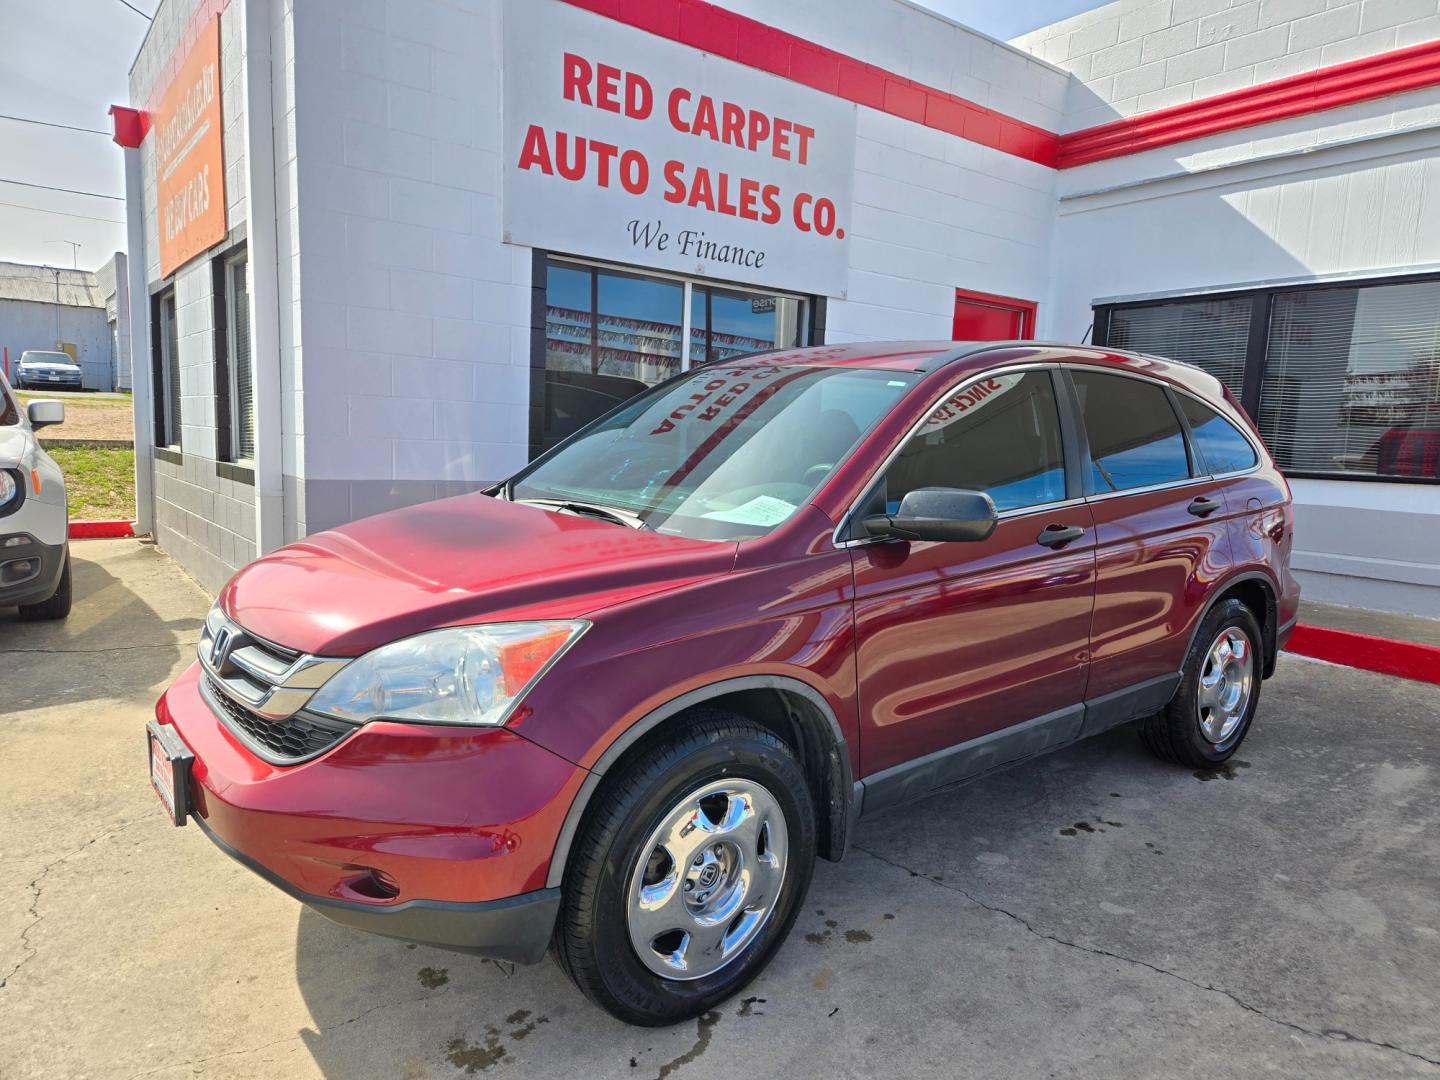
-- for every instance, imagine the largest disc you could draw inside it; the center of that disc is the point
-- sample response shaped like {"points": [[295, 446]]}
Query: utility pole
{"points": [[56, 271]]}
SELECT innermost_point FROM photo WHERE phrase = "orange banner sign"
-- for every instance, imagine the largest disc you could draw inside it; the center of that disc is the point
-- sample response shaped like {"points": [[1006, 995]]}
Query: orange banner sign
{"points": [[189, 162]]}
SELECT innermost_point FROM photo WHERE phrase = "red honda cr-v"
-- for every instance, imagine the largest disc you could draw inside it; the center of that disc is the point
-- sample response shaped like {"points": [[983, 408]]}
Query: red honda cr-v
{"points": [[616, 706]]}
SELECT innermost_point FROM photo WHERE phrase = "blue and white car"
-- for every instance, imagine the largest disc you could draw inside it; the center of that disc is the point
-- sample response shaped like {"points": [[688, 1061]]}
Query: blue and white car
{"points": [[34, 514], [55, 370]]}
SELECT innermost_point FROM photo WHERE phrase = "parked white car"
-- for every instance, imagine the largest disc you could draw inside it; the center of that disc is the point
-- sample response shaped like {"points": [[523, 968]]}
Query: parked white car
{"points": [[38, 368], [34, 515]]}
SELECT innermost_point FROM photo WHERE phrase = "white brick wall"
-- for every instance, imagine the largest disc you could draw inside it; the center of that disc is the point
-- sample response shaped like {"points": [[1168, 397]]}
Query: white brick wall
{"points": [[932, 214], [206, 521], [1136, 56], [413, 303]]}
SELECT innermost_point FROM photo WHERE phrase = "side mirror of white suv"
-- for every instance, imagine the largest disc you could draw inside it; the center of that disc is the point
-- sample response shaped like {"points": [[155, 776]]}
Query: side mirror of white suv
{"points": [[45, 413]]}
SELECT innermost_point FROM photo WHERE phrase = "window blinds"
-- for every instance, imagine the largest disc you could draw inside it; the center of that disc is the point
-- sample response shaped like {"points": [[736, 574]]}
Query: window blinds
{"points": [[1210, 334]]}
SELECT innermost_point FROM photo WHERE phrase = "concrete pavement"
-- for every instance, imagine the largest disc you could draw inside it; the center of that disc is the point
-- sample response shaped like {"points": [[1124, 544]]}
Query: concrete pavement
{"points": [[1094, 913]]}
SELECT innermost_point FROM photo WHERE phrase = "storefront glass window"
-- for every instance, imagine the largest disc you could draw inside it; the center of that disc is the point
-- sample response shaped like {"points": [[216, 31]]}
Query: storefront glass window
{"points": [[1352, 381], [1345, 380], [746, 322], [610, 333], [1211, 334], [638, 321]]}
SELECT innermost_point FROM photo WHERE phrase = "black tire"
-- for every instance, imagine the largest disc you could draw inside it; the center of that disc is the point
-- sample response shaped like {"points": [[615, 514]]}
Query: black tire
{"points": [[1174, 734], [592, 940], [57, 606]]}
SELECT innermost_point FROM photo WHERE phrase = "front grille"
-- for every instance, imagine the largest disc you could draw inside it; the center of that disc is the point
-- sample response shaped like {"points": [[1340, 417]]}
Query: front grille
{"points": [[280, 742]]}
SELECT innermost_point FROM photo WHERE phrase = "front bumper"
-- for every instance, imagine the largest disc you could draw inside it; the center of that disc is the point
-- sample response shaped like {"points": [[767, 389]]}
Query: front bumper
{"points": [[37, 585], [517, 928], [44, 378], [439, 835]]}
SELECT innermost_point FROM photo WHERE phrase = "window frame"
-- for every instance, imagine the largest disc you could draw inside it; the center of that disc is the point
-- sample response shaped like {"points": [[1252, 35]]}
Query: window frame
{"points": [[1087, 478], [166, 434], [1256, 352], [1075, 445], [228, 462], [849, 533], [1197, 455], [811, 322]]}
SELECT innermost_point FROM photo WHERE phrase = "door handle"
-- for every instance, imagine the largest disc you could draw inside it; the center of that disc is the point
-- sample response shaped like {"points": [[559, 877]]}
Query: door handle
{"points": [[1201, 506], [1059, 535]]}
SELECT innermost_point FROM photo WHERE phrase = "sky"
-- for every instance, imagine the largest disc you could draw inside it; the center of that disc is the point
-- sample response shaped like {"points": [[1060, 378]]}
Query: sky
{"points": [[68, 61]]}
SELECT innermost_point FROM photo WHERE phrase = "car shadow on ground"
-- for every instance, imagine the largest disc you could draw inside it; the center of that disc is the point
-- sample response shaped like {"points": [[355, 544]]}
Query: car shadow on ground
{"points": [[73, 661], [385, 1007], [1093, 898]]}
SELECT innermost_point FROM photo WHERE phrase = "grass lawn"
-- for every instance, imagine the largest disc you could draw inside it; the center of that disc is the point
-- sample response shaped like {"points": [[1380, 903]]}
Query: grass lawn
{"points": [[87, 417], [100, 481]]}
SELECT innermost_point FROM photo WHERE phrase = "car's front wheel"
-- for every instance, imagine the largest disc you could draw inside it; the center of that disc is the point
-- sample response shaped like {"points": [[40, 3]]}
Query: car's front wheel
{"points": [[689, 873], [58, 604]]}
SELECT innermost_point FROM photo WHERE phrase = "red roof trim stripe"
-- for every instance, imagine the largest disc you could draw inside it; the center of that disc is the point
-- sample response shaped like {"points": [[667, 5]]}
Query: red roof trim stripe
{"points": [[747, 41], [1381, 75]]}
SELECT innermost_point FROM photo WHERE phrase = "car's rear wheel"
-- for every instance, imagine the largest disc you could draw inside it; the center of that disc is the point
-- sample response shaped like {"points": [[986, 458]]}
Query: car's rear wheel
{"points": [[57, 606], [689, 873], [1211, 712]]}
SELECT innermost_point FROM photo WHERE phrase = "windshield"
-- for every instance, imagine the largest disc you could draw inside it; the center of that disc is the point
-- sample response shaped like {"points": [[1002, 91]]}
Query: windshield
{"points": [[721, 453], [46, 358], [9, 414]]}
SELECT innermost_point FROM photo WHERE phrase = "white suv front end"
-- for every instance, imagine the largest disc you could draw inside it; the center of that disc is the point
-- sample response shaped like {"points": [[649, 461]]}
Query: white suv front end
{"points": [[34, 518]]}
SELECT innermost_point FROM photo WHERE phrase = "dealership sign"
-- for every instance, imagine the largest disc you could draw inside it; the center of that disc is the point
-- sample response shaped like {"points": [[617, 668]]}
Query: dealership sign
{"points": [[625, 146], [189, 164]]}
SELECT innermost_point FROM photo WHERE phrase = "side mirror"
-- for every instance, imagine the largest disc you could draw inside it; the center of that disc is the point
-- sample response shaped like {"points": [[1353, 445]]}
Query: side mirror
{"points": [[45, 413], [937, 513]]}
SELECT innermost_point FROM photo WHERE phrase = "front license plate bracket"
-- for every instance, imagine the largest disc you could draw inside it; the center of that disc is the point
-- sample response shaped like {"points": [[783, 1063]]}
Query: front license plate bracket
{"points": [[170, 761]]}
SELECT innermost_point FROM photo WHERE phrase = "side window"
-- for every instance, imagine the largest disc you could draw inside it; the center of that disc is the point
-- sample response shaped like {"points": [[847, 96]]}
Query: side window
{"points": [[234, 374], [166, 344], [1000, 435], [1135, 437], [1221, 446]]}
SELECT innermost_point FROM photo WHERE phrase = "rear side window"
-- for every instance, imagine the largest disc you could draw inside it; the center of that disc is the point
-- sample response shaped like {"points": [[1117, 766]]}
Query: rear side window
{"points": [[1000, 435], [1135, 437], [1219, 443]]}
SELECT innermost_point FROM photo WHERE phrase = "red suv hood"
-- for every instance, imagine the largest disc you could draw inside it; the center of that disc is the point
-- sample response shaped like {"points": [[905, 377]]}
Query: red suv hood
{"points": [[343, 592]]}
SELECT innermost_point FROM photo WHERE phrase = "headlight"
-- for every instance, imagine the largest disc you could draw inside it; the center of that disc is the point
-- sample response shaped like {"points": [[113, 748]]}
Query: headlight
{"points": [[8, 490], [461, 675]]}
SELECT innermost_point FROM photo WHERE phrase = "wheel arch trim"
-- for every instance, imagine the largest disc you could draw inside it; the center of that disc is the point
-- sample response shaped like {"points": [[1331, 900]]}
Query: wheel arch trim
{"points": [[1269, 633], [838, 747]]}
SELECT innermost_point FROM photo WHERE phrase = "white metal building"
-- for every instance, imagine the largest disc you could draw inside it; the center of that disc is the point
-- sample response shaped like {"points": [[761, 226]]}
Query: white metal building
{"points": [[386, 251], [87, 312]]}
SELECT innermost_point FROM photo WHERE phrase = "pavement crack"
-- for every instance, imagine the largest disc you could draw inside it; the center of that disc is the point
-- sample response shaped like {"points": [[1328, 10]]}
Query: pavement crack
{"points": [[1336, 1034], [103, 648], [37, 886]]}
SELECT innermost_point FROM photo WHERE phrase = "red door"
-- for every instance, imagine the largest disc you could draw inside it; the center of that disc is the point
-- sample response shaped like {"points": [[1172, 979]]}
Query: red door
{"points": [[956, 642], [983, 317]]}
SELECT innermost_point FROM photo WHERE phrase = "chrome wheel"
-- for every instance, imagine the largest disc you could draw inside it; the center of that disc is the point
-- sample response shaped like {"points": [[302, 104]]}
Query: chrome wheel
{"points": [[708, 879], [1225, 684]]}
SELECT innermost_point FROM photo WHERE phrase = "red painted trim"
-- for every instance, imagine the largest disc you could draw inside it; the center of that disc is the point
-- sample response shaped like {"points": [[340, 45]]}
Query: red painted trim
{"points": [[1407, 659], [755, 44], [1371, 77], [1026, 308], [101, 530], [131, 126]]}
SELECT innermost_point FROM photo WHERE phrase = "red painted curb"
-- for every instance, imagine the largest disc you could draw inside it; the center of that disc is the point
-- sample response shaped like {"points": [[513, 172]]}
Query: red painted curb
{"points": [[101, 530], [1407, 659]]}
